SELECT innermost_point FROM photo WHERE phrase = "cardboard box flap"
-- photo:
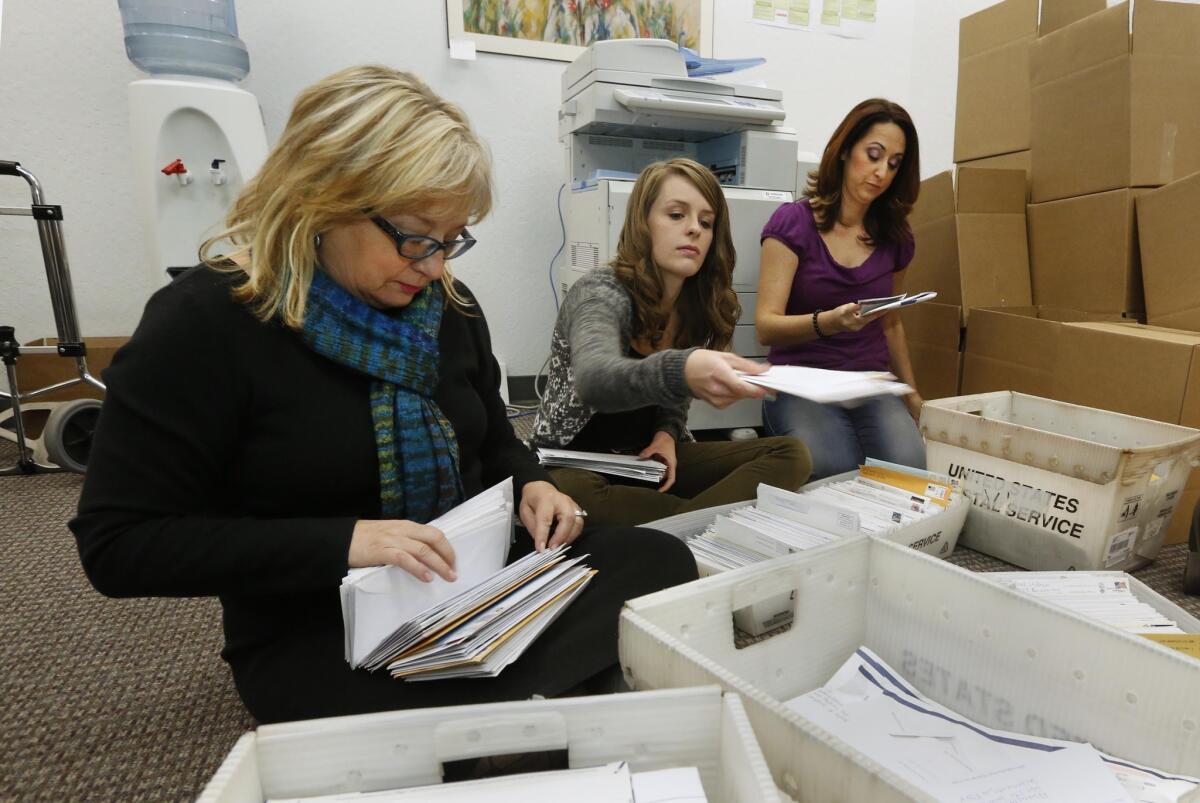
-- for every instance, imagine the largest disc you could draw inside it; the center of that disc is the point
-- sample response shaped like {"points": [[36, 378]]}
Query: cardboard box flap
{"points": [[997, 25], [1115, 367], [1098, 38], [1083, 253], [1010, 349], [1161, 334], [1170, 248], [1166, 28], [934, 323], [935, 200], [1065, 315], [935, 264], [982, 189], [1061, 13], [1190, 415], [934, 334]]}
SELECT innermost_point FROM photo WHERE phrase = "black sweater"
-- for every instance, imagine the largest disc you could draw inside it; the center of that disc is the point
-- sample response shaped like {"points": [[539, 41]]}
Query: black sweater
{"points": [[230, 459]]}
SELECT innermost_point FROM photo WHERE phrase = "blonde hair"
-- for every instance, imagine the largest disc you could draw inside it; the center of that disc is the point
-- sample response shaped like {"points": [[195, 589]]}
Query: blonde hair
{"points": [[707, 306], [365, 141]]}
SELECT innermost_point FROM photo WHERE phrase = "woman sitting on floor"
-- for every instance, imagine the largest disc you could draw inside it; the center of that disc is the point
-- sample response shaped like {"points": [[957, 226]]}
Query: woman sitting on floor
{"points": [[637, 339], [305, 405]]}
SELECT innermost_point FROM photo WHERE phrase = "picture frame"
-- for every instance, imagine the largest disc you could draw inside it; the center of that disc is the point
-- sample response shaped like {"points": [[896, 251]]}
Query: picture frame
{"points": [[576, 20]]}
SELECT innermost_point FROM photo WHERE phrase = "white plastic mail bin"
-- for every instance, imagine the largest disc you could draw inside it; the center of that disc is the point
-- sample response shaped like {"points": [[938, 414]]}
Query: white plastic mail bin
{"points": [[936, 535], [1059, 486], [1000, 658], [698, 727]]}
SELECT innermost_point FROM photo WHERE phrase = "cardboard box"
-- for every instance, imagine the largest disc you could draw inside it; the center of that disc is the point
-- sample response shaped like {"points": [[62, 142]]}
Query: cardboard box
{"points": [[993, 105], [42, 370], [971, 241], [1083, 253], [1058, 486], [1015, 348], [1060, 354], [1001, 658], [1005, 161], [1169, 242], [1060, 13], [1128, 368], [934, 335], [1113, 108]]}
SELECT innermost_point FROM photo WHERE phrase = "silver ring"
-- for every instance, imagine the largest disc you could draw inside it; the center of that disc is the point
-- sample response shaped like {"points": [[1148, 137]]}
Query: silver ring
{"points": [[580, 514]]}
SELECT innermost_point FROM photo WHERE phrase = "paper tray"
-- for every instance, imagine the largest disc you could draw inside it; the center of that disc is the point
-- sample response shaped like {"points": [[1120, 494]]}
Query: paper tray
{"points": [[998, 657], [936, 535], [698, 727]]}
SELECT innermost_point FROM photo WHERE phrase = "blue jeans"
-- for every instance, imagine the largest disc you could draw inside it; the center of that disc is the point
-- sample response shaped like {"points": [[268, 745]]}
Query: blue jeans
{"points": [[841, 438]]}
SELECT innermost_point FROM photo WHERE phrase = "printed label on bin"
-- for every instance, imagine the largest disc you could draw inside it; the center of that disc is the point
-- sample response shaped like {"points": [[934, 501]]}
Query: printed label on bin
{"points": [[1040, 507], [1130, 507], [1121, 546]]}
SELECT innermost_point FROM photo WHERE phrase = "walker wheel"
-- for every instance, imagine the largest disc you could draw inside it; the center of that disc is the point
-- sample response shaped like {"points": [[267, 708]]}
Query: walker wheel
{"points": [[68, 433]]}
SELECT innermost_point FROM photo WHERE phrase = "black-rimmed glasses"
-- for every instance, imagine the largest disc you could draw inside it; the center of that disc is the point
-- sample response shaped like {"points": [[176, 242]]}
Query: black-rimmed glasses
{"points": [[417, 247]]}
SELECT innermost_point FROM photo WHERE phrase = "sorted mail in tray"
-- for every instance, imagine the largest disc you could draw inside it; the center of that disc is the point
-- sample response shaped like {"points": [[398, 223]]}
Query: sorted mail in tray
{"points": [[868, 706]]}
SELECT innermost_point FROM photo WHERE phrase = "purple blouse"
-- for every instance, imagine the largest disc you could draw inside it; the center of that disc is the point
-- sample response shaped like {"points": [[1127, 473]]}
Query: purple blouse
{"points": [[821, 283]]}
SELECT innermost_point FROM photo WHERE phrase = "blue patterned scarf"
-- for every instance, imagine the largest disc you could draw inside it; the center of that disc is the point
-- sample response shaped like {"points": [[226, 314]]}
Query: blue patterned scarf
{"points": [[418, 452]]}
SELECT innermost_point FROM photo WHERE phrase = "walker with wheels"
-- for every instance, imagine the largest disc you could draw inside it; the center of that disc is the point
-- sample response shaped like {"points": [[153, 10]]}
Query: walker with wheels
{"points": [[66, 436]]}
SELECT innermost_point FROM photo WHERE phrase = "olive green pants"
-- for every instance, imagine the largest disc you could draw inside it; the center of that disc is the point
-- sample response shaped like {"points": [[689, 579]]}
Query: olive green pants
{"points": [[707, 474]]}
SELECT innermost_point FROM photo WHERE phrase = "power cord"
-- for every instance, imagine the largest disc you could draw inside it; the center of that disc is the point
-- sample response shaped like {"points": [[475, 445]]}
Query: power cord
{"points": [[562, 225]]}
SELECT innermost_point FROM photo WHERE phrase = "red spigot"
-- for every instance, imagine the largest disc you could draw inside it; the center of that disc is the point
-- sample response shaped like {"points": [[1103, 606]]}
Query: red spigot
{"points": [[181, 173]]}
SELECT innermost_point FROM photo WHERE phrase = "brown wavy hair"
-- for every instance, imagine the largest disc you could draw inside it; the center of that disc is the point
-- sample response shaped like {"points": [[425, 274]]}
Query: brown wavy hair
{"points": [[887, 217], [708, 307]]}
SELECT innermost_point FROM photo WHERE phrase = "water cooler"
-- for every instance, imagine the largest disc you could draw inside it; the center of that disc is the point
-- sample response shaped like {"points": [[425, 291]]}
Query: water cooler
{"points": [[196, 137]]}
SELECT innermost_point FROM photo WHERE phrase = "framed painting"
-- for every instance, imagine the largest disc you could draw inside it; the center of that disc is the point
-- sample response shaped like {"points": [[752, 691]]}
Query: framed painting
{"points": [[561, 29]]}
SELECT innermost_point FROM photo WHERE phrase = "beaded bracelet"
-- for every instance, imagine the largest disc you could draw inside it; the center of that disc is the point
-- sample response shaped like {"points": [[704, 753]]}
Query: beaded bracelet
{"points": [[816, 325]]}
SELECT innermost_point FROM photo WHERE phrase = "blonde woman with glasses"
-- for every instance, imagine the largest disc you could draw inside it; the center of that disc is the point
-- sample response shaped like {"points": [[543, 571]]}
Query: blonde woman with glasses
{"points": [[306, 402]]}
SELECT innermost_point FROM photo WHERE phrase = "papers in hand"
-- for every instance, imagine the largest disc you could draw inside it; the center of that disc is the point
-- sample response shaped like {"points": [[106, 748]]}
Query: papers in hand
{"points": [[869, 305], [827, 386], [868, 706], [472, 627], [618, 465]]}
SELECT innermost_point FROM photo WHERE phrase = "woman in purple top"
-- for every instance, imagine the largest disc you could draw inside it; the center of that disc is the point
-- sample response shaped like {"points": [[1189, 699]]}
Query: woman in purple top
{"points": [[847, 240]]}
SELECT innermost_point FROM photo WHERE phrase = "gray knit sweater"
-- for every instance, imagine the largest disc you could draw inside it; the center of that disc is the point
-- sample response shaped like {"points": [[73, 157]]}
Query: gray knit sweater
{"points": [[591, 372]]}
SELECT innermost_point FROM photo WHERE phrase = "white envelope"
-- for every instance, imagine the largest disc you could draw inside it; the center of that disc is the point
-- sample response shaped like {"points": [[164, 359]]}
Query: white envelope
{"points": [[377, 600]]}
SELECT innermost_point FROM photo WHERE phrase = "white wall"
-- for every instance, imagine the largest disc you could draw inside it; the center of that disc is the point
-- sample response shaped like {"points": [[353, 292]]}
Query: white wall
{"points": [[66, 119]]}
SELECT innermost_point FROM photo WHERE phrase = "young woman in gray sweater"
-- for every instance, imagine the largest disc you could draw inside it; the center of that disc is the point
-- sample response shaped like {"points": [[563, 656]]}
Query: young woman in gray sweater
{"points": [[636, 340]]}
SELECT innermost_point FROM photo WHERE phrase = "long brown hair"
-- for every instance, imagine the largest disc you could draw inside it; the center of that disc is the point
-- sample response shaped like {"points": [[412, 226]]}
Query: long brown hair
{"points": [[708, 307], [367, 140], [887, 218]]}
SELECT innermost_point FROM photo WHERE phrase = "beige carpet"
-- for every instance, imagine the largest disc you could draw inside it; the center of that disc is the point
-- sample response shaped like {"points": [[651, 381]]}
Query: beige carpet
{"points": [[100, 699]]}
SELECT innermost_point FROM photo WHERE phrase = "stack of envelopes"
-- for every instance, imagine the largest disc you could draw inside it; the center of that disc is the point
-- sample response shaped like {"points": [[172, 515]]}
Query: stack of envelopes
{"points": [[473, 627], [618, 465]]}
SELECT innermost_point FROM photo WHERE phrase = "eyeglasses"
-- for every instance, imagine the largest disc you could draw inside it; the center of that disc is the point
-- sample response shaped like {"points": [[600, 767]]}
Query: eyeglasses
{"points": [[417, 247]]}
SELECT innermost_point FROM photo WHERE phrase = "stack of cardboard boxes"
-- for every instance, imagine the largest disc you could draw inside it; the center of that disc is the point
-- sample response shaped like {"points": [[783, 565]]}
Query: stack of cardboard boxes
{"points": [[1101, 108]]}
